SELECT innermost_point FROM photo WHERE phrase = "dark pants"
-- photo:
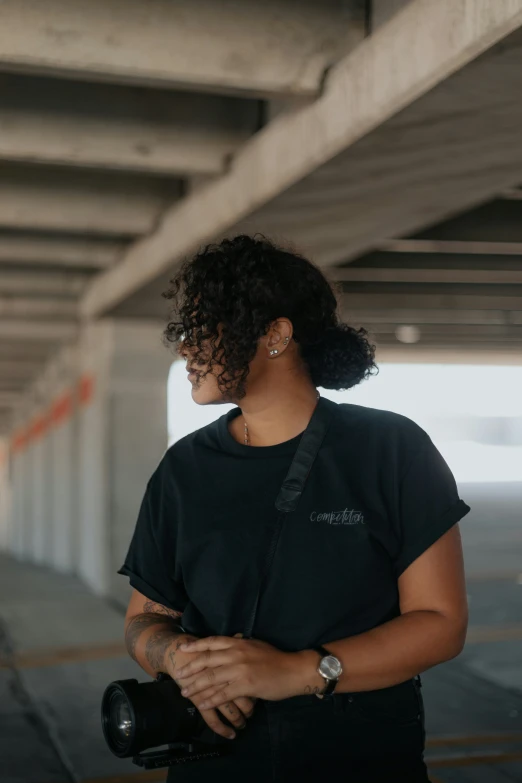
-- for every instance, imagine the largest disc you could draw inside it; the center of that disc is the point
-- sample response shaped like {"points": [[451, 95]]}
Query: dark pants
{"points": [[372, 737]]}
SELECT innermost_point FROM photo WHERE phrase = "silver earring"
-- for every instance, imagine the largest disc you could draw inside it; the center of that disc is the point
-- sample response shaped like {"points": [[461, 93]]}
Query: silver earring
{"points": [[285, 341], [273, 352]]}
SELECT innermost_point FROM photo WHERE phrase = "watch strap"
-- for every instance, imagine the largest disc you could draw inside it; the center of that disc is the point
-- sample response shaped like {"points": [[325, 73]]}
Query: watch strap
{"points": [[330, 687], [323, 652], [329, 684]]}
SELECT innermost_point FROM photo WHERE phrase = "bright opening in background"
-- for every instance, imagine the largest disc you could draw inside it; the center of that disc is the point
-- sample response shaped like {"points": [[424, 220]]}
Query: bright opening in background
{"points": [[473, 413]]}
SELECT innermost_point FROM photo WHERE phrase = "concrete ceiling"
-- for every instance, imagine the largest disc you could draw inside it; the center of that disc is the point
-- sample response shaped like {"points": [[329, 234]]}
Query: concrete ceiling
{"points": [[131, 131]]}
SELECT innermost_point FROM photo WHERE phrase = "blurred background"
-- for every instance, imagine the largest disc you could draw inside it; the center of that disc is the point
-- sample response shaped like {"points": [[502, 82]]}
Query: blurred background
{"points": [[381, 138]]}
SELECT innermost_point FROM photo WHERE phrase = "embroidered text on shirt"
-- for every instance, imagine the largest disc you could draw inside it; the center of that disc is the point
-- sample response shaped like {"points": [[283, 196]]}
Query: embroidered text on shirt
{"points": [[344, 517]]}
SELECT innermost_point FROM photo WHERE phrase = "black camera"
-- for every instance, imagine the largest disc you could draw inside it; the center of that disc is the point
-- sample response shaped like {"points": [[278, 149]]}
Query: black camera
{"points": [[138, 716]]}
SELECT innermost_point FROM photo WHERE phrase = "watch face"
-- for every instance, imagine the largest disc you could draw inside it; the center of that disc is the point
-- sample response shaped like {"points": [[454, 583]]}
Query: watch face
{"points": [[330, 667]]}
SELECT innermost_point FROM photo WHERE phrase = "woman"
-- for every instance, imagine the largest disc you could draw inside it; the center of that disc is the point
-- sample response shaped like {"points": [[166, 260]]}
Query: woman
{"points": [[364, 586]]}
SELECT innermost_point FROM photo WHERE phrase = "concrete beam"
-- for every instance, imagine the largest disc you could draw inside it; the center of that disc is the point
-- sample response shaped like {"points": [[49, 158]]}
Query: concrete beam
{"points": [[383, 10], [277, 48], [82, 202], [470, 332], [5, 423], [11, 351], [16, 386], [44, 282], [401, 301], [9, 399], [454, 247], [495, 220], [511, 194], [120, 128], [411, 315], [449, 354], [450, 341], [58, 251], [35, 307], [445, 276], [38, 331], [390, 146], [20, 368]]}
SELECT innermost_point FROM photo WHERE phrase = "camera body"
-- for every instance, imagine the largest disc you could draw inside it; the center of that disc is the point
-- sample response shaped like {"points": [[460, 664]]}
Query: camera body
{"points": [[139, 716]]}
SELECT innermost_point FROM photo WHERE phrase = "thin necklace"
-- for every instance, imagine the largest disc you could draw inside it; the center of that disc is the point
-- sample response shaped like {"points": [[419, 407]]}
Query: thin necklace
{"points": [[247, 437]]}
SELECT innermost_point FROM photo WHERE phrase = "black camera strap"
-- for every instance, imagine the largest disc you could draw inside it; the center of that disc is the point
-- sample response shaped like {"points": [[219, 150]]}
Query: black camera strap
{"points": [[291, 491]]}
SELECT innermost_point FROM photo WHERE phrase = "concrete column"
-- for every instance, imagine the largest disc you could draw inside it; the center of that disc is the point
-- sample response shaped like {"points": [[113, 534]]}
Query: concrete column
{"points": [[122, 435], [41, 470], [40, 486], [18, 520], [383, 10], [27, 479], [23, 495], [44, 474], [62, 444], [5, 496]]}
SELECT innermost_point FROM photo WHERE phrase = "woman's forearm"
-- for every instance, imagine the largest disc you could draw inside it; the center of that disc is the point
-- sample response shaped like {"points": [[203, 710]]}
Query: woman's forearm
{"points": [[389, 654], [151, 639]]}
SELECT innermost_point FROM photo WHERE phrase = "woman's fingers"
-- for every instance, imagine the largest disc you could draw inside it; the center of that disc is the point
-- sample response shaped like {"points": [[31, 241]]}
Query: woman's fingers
{"points": [[208, 643], [207, 660], [208, 678], [246, 705], [232, 713], [212, 720], [215, 697]]}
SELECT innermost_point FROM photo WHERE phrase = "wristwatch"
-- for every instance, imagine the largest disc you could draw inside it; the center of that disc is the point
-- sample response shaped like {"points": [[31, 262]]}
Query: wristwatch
{"points": [[330, 668]]}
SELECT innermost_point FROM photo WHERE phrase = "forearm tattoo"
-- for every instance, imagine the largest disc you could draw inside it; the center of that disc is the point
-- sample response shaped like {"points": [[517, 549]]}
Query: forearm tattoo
{"points": [[153, 614], [134, 630], [176, 645], [149, 607], [156, 648], [315, 689]]}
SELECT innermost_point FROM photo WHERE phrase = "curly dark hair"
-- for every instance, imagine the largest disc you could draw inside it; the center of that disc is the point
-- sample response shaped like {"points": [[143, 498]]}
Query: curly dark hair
{"points": [[228, 295]]}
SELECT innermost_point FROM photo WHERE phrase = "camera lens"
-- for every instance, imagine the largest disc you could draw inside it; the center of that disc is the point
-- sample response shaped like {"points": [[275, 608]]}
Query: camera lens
{"points": [[137, 716], [122, 717], [117, 720]]}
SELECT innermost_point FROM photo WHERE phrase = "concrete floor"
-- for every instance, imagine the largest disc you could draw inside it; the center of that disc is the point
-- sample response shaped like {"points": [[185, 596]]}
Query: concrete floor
{"points": [[60, 646]]}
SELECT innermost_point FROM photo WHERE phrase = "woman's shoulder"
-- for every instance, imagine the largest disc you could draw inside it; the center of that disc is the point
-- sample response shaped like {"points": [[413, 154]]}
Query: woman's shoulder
{"points": [[192, 444], [350, 413], [371, 424]]}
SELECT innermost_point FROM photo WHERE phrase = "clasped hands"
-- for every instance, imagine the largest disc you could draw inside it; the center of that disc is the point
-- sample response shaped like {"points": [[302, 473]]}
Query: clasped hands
{"points": [[229, 668]]}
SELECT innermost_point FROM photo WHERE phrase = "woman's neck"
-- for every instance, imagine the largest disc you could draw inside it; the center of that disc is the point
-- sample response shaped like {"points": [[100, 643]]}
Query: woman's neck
{"points": [[274, 417]]}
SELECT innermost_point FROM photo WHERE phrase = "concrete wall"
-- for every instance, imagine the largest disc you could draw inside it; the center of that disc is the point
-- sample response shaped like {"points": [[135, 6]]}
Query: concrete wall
{"points": [[63, 457], [16, 519], [122, 429], [5, 494], [42, 474], [383, 10], [40, 497], [138, 432], [92, 457], [64, 520], [89, 437]]}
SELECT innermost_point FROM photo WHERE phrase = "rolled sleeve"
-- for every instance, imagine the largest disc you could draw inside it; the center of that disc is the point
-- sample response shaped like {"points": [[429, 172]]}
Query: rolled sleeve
{"points": [[150, 563], [429, 505]]}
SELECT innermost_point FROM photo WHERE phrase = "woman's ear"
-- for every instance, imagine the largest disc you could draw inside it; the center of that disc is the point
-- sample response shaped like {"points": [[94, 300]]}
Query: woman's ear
{"points": [[274, 338], [279, 334]]}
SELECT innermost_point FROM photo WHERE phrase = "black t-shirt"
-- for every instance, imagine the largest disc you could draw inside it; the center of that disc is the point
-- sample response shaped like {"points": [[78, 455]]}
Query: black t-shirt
{"points": [[379, 494]]}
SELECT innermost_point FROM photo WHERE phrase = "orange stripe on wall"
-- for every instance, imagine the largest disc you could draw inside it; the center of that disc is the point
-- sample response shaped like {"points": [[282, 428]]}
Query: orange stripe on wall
{"points": [[19, 441], [38, 427], [86, 389], [61, 409]]}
